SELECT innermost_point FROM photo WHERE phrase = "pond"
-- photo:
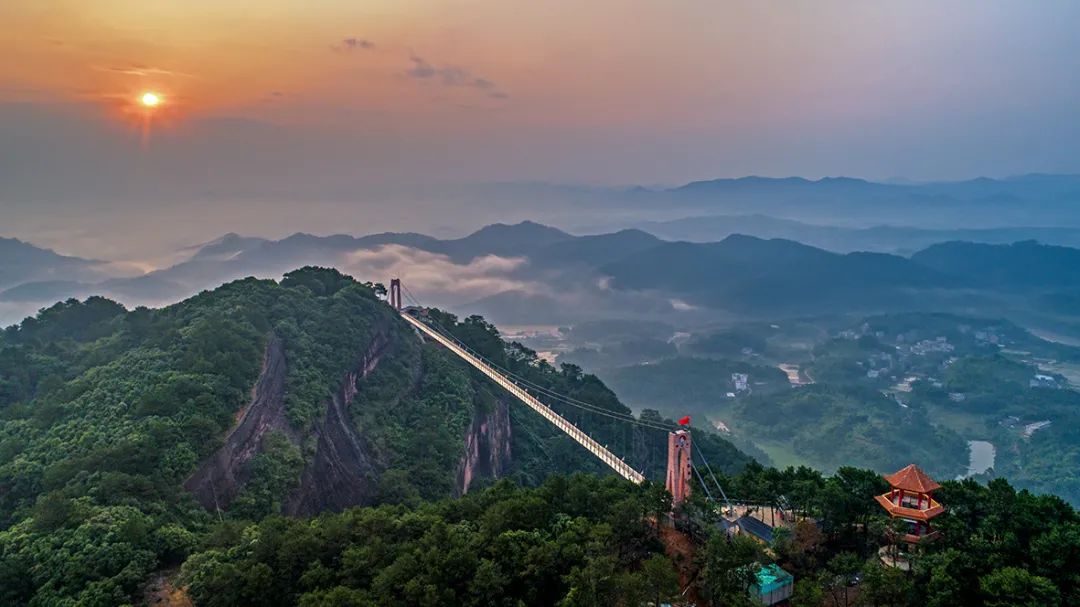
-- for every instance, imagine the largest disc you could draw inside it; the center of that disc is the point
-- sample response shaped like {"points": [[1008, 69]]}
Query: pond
{"points": [[981, 456]]}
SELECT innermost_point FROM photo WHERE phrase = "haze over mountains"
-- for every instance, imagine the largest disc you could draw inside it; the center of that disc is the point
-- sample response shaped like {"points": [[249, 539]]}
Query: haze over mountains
{"points": [[1025, 200], [881, 238], [528, 273], [627, 265], [118, 228], [24, 262]]}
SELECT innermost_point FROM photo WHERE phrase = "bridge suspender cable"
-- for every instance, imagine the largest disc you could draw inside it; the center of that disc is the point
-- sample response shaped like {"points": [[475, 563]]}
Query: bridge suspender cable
{"points": [[519, 386], [609, 458], [702, 481], [543, 391], [717, 482]]}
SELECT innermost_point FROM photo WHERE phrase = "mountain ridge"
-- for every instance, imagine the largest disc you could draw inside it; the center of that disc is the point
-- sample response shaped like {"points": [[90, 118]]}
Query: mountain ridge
{"points": [[554, 267]]}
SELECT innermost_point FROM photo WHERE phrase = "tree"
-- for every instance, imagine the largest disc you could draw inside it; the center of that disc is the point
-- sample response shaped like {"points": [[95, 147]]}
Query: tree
{"points": [[848, 499], [661, 579], [591, 585], [839, 572], [1015, 587], [884, 587], [339, 596], [799, 547], [949, 575], [321, 281], [807, 593], [729, 568], [658, 501], [1057, 554]]}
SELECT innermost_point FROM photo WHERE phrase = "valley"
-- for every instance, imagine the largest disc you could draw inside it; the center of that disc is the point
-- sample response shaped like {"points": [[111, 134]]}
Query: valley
{"points": [[539, 304], [319, 399], [948, 391], [292, 394]]}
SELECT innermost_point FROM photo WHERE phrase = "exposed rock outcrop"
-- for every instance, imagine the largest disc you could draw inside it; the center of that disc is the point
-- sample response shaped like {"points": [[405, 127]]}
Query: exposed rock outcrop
{"points": [[487, 446], [343, 472], [221, 476]]}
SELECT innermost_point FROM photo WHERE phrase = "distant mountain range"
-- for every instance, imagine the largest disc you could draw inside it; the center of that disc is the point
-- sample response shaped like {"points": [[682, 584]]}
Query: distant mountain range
{"points": [[1020, 265], [530, 272], [24, 262], [1033, 187], [881, 239], [1027, 200], [745, 273]]}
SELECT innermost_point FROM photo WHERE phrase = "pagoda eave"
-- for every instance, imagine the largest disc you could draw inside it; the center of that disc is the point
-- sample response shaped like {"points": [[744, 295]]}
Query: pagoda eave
{"points": [[910, 513]]}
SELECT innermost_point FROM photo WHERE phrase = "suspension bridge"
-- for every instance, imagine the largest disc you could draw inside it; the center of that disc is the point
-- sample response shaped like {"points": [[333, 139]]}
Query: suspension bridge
{"points": [[680, 464]]}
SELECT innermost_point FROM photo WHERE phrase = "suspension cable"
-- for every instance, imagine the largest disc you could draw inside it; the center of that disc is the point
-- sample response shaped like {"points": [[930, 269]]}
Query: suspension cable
{"points": [[588, 407], [709, 468], [570, 401], [527, 384], [702, 481]]}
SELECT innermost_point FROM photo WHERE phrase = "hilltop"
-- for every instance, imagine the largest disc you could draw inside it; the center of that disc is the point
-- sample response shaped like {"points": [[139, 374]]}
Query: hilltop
{"points": [[128, 433]]}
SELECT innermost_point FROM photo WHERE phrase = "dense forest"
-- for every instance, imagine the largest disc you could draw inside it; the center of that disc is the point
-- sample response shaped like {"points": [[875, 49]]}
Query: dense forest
{"points": [[589, 541], [125, 436], [294, 442]]}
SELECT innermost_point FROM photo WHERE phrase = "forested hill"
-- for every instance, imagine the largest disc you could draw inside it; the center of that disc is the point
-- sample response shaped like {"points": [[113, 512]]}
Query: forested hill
{"points": [[128, 438]]}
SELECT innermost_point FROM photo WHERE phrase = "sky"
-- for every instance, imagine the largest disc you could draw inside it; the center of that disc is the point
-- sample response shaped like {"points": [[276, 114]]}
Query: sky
{"points": [[273, 109]]}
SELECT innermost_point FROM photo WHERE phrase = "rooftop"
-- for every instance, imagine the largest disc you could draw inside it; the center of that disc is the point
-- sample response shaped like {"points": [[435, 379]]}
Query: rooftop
{"points": [[771, 577], [912, 478]]}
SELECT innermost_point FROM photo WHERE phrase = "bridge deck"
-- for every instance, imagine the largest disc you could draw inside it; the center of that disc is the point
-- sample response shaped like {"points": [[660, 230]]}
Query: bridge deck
{"points": [[622, 468]]}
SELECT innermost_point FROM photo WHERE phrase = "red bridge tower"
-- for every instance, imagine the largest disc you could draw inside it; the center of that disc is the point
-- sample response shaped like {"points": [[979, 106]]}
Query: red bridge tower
{"points": [[395, 293], [678, 466]]}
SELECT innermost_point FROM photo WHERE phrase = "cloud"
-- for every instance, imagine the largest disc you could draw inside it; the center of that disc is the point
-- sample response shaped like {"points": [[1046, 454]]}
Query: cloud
{"points": [[138, 69], [352, 43], [432, 275], [681, 306], [450, 76]]}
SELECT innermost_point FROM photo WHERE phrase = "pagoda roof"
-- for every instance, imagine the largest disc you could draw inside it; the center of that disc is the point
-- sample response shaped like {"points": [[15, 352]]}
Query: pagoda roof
{"points": [[912, 478]]}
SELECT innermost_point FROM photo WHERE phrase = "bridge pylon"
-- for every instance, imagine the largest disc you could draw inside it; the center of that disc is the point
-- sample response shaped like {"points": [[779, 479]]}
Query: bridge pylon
{"points": [[395, 293], [679, 466]]}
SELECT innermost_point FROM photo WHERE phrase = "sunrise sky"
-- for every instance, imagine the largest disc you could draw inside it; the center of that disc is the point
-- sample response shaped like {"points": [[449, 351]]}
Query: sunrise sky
{"points": [[326, 99]]}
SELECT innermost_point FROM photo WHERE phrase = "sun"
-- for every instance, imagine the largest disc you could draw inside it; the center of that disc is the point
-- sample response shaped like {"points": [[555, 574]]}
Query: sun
{"points": [[150, 99]]}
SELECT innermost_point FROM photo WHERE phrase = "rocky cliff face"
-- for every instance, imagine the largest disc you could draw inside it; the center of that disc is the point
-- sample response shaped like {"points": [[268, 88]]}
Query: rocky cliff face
{"points": [[343, 472], [220, 477], [344, 469], [487, 446]]}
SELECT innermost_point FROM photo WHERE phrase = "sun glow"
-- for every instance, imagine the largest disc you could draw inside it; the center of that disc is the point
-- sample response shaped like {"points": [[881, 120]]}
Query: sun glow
{"points": [[150, 99]]}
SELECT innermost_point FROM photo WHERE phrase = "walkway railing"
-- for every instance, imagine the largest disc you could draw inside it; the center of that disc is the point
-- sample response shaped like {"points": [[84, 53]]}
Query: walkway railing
{"points": [[618, 465]]}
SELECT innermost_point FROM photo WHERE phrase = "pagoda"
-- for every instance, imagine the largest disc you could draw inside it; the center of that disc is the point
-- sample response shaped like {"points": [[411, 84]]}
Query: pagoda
{"points": [[911, 499]]}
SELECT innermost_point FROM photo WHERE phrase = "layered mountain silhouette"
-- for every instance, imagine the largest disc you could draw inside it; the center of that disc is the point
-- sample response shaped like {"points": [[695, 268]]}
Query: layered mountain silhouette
{"points": [[1014, 266], [880, 239], [629, 271], [744, 273], [24, 262]]}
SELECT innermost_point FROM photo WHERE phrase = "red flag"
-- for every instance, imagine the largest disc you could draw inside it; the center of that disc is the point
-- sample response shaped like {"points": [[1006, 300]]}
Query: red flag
{"points": [[685, 421]]}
